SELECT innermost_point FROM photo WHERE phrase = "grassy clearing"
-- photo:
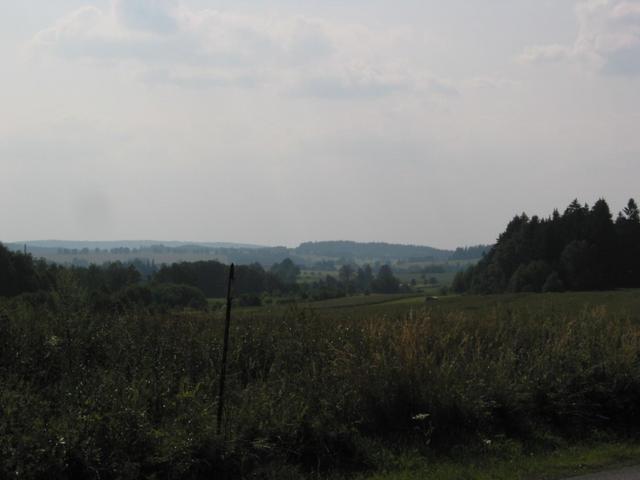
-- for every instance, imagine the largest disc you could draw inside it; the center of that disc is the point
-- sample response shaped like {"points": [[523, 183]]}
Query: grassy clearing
{"points": [[357, 301], [616, 303], [619, 303]]}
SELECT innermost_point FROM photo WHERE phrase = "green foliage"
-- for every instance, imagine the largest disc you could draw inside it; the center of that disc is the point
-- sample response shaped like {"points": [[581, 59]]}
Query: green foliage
{"points": [[470, 253], [113, 286], [249, 300], [577, 262], [352, 280], [366, 251], [133, 395], [109, 278], [286, 271], [385, 282], [211, 277], [19, 273], [172, 296], [553, 283], [530, 277], [346, 275], [586, 249]]}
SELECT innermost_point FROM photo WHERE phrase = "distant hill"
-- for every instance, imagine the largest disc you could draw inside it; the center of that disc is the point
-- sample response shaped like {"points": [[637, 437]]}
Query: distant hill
{"points": [[108, 245], [374, 250], [306, 254]]}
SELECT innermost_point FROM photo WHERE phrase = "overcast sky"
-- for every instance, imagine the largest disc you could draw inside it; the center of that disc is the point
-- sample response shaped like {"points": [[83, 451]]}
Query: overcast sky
{"points": [[275, 122]]}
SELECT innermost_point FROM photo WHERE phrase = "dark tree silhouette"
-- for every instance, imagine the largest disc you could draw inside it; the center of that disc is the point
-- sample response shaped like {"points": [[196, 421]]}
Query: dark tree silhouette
{"points": [[581, 249]]}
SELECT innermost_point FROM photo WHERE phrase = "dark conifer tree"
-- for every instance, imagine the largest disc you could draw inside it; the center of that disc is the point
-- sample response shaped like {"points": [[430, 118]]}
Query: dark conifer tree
{"points": [[581, 249]]}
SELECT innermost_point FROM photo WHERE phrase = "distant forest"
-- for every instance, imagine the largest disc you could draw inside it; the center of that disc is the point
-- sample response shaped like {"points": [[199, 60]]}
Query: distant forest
{"points": [[470, 253], [380, 251], [581, 249], [116, 285], [310, 255]]}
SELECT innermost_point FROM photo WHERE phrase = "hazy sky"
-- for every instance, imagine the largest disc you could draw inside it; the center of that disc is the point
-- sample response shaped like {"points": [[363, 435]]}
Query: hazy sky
{"points": [[275, 122]]}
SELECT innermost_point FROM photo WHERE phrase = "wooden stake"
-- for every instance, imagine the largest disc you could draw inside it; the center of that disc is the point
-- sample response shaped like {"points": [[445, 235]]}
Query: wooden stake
{"points": [[225, 349]]}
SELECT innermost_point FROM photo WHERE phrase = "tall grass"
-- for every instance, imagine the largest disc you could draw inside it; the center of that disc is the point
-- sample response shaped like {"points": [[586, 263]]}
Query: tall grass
{"points": [[133, 395]]}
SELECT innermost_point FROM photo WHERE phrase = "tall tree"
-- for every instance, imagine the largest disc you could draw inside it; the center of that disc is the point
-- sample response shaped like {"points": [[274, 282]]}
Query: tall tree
{"points": [[580, 249], [286, 271], [631, 211], [345, 274], [385, 281]]}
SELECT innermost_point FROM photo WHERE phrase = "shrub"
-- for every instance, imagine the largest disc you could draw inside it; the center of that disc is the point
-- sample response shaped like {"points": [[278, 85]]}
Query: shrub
{"points": [[553, 283], [172, 296], [249, 300]]}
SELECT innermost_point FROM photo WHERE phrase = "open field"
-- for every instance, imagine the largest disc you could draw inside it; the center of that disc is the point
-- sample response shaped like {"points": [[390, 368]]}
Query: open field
{"points": [[352, 387], [619, 303], [443, 278], [357, 301]]}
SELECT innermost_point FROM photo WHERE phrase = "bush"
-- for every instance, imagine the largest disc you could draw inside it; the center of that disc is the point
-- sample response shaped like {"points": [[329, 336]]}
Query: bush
{"points": [[530, 277], [172, 296], [553, 283], [137, 295], [249, 300]]}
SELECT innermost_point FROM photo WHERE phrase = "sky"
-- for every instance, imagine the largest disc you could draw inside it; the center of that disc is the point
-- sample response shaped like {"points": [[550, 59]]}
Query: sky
{"points": [[277, 122]]}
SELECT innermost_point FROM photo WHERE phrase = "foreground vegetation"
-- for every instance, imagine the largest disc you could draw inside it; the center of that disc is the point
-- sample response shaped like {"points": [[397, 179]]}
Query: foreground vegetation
{"points": [[116, 286], [328, 391]]}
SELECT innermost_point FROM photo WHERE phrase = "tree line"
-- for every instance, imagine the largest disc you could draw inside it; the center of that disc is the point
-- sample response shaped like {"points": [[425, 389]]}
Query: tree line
{"points": [[581, 249], [184, 284], [380, 250], [470, 253]]}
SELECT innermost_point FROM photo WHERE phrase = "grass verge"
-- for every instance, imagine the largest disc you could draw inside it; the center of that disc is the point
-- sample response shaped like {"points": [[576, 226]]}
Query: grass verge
{"points": [[514, 464]]}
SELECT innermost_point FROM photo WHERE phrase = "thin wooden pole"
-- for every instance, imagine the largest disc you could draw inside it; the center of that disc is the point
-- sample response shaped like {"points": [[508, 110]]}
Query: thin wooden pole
{"points": [[225, 349]]}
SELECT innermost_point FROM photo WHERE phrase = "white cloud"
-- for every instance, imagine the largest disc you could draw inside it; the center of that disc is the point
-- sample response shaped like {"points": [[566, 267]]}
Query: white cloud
{"points": [[491, 83], [170, 43], [608, 38], [547, 53], [151, 15]]}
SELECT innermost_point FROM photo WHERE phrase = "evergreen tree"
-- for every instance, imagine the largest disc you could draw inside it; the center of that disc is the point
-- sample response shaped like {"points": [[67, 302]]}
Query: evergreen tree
{"points": [[286, 271], [385, 281], [553, 283], [628, 232], [580, 249], [364, 279], [631, 211], [346, 274]]}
